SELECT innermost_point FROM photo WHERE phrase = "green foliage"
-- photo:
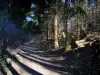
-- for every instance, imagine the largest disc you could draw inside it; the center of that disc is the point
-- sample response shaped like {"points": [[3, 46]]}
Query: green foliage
{"points": [[30, 13], [32, 24], [68, 48], [79, 10], [70, 12]]}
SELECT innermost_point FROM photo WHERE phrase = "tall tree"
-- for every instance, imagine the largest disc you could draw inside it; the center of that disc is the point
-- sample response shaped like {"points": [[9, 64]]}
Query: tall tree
{"points": [[71, 10], [56, 42]]}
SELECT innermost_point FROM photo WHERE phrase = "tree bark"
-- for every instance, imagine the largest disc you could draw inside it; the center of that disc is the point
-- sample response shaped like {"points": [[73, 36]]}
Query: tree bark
{"points": [[67, 43], [56, 44], [78, 27]]}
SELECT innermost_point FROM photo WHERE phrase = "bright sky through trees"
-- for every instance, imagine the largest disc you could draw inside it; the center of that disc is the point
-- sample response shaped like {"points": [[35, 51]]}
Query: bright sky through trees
{"points": [[70, 3], [92, 3], [29, 18], [33, 6]]}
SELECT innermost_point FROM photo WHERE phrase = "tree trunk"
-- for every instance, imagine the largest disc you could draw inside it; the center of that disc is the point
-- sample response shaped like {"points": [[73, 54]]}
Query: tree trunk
{"points": [[78, 27], [56, 44], [67, 43], [67, 39]]}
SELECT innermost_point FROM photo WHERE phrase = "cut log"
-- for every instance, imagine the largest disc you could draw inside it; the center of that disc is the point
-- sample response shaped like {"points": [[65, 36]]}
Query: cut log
{"points": [[6, 70], [42, 61], [1, 73], [37, 67], [17, 67], [50, 59]]}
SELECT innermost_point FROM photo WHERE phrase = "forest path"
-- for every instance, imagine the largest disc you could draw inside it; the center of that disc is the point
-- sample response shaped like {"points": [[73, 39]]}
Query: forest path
{"points": [[30, 60]]}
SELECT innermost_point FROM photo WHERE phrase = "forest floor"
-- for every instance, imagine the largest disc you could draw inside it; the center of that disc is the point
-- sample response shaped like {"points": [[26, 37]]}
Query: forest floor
{"points": [[30, 59]]}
